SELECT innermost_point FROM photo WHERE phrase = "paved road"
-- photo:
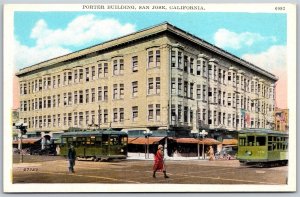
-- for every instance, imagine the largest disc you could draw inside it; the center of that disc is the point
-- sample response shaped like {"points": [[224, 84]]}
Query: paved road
{"points": [[51, 169]]}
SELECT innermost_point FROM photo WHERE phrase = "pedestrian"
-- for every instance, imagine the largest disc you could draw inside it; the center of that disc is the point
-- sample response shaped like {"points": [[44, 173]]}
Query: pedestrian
{"points": [[211, 153], [57, 149], [71, 158], [159, 164]]}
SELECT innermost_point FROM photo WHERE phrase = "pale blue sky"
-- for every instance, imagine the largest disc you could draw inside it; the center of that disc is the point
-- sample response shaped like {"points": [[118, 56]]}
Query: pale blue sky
{"points": [[47, 34]]}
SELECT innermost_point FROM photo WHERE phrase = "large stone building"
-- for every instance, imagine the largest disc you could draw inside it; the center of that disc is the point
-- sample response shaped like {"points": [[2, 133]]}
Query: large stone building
{"points": [[158, 78]]}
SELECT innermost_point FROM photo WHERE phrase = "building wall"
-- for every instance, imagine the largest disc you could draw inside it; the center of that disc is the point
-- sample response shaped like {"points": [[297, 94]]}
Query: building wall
{"points": [[209, 98], [225, 95], [281, 119], [143, 98]]}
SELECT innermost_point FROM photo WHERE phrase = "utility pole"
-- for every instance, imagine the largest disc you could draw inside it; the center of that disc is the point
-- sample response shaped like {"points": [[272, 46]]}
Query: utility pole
{"points": [[21, 151], [99, 118], [198, 133], [203, 133]]}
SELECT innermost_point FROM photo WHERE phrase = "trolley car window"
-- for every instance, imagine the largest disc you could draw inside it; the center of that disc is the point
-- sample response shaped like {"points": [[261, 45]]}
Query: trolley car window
{"points": [[115, 140], [105, 139], [83, 141], [260, 140], [270, 138], [70, 139], [124, 140], [251, 141], [93, 139], [98, 140], [242, 141]]}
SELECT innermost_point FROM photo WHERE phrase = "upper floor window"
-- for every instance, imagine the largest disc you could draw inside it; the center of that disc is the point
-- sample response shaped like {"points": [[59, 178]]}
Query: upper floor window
{"points": [[80, 75], [150, 112], [173, 85], [157, 55], [173, 58], [87, 74], [93, 94], [229, 76], [135, 113], [135, 64], [70, 77], [185, 65], [115, 67], [121, 61], [93, 72], [192, 66], [134, 88], [105, 93], [157, 85], [76, 76], [87, 94], [204, 67], [115, 91], [150, 56], [118, 66], [180, 60], [150, 86], [121, 91], [100, 69], [105, 69]]}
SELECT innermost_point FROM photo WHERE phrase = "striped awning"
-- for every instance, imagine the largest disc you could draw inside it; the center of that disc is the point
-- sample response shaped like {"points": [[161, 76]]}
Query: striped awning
{"points": [[230, 142], [143, 140], [206, 141], [27, 141]]}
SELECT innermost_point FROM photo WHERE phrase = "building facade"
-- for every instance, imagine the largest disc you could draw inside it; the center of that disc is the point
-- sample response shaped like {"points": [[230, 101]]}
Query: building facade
{"points": [[156, 78], [281, 119]]}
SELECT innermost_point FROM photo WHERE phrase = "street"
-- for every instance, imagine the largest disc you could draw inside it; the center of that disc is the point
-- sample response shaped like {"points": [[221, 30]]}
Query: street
{"points": [[54, 169]]}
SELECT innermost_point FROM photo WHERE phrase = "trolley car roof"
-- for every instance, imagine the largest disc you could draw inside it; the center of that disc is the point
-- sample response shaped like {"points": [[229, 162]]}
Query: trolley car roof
{"points": [[263, 131]]}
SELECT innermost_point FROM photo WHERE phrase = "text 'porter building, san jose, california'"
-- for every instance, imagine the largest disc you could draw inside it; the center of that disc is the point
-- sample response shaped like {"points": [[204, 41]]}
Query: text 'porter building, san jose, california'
{"points": [[159, 78]]}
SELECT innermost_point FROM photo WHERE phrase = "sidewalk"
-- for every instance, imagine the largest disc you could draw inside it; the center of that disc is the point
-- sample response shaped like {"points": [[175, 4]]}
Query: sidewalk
{"points": [[142, 156]]}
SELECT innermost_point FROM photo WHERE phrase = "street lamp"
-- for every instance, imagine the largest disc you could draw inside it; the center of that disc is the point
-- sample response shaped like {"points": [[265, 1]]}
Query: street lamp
{"points": [[202, 133], [198, 147], [147, 135], [23, 130]]}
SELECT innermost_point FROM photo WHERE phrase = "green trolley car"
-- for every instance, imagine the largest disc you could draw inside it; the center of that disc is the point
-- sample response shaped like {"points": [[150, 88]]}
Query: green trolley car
{"points": [[263, 147], [96, 145]]}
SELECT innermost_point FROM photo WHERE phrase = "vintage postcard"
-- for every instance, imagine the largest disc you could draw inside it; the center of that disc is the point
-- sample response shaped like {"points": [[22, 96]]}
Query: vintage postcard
{"points": [[149, 98]]}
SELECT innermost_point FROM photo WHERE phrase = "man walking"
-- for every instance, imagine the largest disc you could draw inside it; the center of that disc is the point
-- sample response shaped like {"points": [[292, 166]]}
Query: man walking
{"points": [[159, 164], [71, 158]]}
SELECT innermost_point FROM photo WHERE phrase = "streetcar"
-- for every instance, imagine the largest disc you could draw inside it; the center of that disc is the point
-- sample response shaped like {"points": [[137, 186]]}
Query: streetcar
{"points": [[97, 145], [262, 147]]}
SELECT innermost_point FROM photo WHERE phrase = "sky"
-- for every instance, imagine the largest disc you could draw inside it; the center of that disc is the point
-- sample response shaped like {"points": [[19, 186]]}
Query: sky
{"points": [[259, 38]]}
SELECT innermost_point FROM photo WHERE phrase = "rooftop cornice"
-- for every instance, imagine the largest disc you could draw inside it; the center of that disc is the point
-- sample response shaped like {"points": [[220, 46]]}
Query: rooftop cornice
{"points": [[144, 33]]}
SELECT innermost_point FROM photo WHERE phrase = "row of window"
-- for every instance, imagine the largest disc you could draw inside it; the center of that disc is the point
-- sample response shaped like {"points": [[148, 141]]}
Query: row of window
{"points": [[204, 69], [79, 97], [88, 95], [183, 114], [78, 74], [90, 118], [215, 96], [281, 143]]}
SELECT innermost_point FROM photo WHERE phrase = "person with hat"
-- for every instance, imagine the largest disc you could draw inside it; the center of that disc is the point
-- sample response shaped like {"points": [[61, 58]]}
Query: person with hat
{"points": [[71, 158], [159, 164]]}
